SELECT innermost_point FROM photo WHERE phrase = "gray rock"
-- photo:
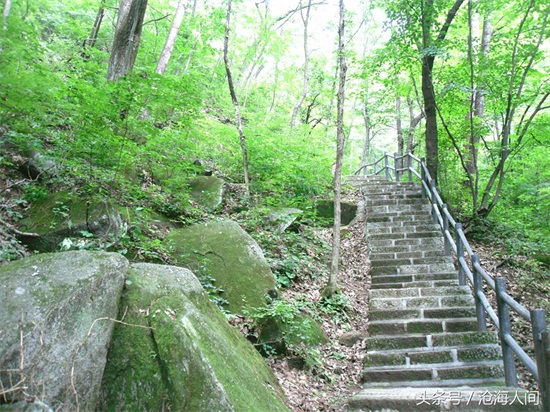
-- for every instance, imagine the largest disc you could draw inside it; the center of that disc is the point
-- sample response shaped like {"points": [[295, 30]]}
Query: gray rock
{"points": [[177, 351], [207, 191], [281, 218], [54, 327], [351, 338], [62, 215], [224, 251], [325, 209]]}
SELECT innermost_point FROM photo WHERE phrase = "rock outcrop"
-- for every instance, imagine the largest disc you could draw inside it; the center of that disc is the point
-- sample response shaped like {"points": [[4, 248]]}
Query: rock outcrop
{"points": [[63, 215], [207, 191], [225, 252], [171, 347]]}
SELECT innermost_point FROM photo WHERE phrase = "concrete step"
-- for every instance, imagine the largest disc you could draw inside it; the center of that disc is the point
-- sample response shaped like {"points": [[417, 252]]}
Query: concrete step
{"points": [[412, 269], [436, 340], [461, 398], [411, 280], [404, 254], [420, 291], [421, 302], [399, 217], [422, 326], [426, 246], [402, 209], [421, 313], [386, 200], [389, 229], [419, 283], [435, 374], [427, 234], [432, 243], [412, 357], [377, 262]]}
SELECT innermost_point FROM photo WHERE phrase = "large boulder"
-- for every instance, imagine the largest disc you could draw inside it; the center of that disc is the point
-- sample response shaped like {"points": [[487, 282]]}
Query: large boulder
{"points": [[176, 351], [63, 215], [325, 209], [207, 191], [56, 314], [225, 252]]}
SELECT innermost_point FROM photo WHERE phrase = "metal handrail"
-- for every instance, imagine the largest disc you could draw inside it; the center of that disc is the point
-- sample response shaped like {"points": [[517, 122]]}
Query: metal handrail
{"points": [[474, 274]]}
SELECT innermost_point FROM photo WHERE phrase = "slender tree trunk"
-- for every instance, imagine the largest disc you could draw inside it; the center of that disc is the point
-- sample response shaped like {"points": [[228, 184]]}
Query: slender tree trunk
{"points": [[366, 143], [428, 92], [127, 38], [413, 123], [306, 67], [171, 39], [242, 138], [332, 284], [97, 25], [399, 130], [6, 13]]}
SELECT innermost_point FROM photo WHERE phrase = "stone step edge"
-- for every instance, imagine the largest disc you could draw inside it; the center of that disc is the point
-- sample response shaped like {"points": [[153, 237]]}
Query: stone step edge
{"points": [[440, 366], [433, 349]]}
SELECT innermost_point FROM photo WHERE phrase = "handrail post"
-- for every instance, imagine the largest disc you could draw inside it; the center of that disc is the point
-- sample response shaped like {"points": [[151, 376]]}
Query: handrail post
{"points": [[445, 229], [538, 323], [546, 353], [409, 165], [433, 201], [396, 165], [478, 288], [459, 255], [504, 330], [387, 164], [423, 177]]}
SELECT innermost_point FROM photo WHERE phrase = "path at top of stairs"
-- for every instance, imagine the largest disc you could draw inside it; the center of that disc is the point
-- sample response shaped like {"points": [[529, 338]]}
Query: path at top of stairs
{"points": [[423, 351]]}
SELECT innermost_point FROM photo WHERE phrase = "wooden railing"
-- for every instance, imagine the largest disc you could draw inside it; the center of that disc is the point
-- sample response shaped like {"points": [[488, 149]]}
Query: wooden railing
{"points": [[470, 271]]}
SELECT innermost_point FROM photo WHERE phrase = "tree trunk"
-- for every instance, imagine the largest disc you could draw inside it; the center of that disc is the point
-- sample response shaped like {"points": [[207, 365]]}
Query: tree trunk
{"points": [[171, 39], [399, 130], [6, 13], [127, 38], [332, 284], [428, 92], [413, 123], [242, 138], [306, 68], [97, 25]]}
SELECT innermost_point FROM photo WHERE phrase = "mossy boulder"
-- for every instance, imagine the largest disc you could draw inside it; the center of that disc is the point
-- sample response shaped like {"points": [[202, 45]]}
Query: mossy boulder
{"points": [[282, 217], [325, 209], [61, 215], [177, 351], [55, 327], [225, 252], [207, 191], [280, 335]]}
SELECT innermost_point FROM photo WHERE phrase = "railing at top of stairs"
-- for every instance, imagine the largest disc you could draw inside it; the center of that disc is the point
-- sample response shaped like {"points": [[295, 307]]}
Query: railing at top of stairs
{"points": [[472, 272]]}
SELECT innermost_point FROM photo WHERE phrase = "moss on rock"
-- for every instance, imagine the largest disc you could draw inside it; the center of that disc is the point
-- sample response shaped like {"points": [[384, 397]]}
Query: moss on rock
{"points": [[190, 359], [224, 251]]}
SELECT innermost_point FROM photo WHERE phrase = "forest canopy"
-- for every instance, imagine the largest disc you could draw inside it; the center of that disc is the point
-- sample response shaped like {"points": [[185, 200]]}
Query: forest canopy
{"points": [[127, 94]]}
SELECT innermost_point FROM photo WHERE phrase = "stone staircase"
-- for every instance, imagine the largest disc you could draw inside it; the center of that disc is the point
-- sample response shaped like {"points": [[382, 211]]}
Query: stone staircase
{"points": [[424, 351]]}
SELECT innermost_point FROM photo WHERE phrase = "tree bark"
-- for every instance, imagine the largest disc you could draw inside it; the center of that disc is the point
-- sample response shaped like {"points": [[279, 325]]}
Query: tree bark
{"points": [[399, 130], [428, 92], [413, 123], [90, 42], [7, 9], [332, 284], [171, 39], [306, 68], [242, 138], [127, 38]]}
